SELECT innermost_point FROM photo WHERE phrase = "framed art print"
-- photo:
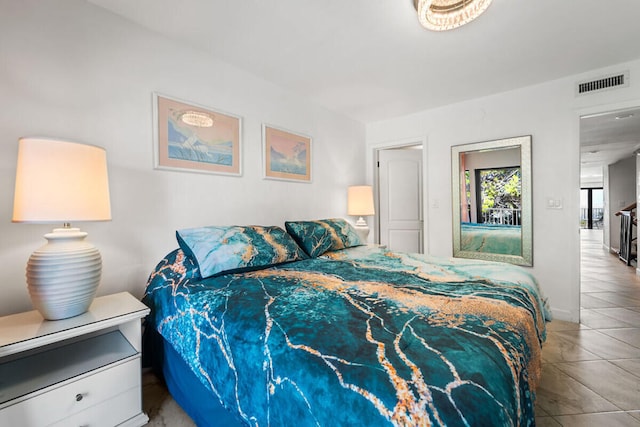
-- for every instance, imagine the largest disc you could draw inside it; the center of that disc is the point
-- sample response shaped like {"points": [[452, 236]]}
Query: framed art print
{"points": [[287, 155], [193, 138]]}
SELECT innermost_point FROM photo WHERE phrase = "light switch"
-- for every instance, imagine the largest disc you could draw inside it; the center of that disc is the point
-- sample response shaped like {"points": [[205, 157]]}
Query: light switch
{"points": [[553, 203]]}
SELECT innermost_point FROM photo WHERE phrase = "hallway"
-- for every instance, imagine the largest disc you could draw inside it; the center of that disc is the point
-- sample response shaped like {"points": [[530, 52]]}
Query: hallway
{"points": [[591, 371]]}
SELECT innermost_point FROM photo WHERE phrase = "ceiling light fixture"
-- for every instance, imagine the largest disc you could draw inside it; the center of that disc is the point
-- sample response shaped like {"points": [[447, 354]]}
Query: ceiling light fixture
{"points": [[197, 119], [443, 15]]}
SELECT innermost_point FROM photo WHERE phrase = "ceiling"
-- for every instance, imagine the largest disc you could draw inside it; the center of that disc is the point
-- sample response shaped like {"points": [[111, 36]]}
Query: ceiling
{"points": [[606, 139], [371, 60]]}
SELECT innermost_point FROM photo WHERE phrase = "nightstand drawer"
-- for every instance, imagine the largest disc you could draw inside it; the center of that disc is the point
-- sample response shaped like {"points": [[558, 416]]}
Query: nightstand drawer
{"points": [[59, 402], [113, 412]]}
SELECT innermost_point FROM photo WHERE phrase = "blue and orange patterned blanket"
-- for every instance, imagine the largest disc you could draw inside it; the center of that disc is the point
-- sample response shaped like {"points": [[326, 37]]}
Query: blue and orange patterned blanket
{"points": [[491, 238], [360, 336]]}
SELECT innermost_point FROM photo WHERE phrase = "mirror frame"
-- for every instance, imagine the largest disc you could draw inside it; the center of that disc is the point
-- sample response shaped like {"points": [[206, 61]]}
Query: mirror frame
{"points": [[524, 143]]}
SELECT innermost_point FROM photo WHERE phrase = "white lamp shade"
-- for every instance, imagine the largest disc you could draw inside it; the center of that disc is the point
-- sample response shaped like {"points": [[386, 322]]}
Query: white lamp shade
{"points": [[60, 181], [360, 200]]}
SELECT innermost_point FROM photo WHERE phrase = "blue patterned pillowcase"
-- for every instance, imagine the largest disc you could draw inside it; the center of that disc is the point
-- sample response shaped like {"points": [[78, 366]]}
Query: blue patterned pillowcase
{"points": [[217, 250], [318, 237]]}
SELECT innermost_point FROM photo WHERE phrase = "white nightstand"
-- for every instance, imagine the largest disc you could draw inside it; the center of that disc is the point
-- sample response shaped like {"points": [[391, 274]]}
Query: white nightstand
{"points": [[82, 371]]}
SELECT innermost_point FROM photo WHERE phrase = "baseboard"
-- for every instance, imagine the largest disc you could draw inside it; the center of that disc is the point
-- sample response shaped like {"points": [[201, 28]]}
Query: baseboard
{"points": [[565, 315]]}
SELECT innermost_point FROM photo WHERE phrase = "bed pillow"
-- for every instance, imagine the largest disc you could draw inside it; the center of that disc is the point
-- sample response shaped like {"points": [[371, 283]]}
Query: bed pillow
{"points": [[318, 237], [219, 250]]}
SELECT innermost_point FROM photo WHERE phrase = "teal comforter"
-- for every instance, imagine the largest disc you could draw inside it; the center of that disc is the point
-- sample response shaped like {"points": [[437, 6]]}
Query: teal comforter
{"points": [[491, 238], [358, 337]]}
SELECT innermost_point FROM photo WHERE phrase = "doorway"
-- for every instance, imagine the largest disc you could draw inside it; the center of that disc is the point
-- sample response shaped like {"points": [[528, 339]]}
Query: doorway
{"points": [[609, 140], [400, 192], [591, 208]]}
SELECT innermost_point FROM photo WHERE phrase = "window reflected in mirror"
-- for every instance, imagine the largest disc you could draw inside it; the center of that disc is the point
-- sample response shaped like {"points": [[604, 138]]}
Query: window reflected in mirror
{"points": [[492, 201]]}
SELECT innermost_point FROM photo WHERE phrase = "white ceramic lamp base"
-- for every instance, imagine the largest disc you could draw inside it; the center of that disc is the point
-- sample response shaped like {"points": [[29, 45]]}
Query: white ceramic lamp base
{"points": [[64, 274], [362, 229]]}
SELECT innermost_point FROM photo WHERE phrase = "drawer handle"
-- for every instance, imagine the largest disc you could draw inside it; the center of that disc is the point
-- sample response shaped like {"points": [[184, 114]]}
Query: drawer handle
{"points": [[79, 397]]}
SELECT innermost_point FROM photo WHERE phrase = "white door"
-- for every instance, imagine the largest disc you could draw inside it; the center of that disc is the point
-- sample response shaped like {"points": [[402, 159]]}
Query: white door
{"points": [[400, 199]]}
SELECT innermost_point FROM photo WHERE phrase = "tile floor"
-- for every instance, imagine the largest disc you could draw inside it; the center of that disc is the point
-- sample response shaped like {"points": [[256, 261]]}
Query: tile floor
{"points": [[158, 404], [591, 370]]}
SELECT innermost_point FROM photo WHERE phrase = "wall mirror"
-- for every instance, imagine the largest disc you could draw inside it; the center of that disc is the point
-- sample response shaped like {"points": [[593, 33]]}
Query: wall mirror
{"points": [[491, 188]]}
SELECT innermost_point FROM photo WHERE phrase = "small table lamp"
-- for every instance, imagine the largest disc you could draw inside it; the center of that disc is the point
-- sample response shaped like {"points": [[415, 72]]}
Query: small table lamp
{"points": [[59, 182], [360, 203]]}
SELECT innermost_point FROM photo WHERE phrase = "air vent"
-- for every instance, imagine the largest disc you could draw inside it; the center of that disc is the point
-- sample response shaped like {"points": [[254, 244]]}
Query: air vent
{"points": [[603, 83]]}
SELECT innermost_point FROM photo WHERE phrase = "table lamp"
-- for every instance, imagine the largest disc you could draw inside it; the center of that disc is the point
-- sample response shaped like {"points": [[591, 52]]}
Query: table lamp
{"points": [[360, 203], [60, 182]]}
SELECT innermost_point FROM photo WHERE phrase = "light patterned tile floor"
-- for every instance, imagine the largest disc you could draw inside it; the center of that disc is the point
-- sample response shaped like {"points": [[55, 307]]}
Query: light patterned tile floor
{"points": [[158, 404], [591, 370]]}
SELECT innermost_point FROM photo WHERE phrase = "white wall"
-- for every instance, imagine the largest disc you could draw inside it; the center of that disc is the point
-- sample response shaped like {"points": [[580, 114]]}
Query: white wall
{"points": [[622, 192], [606, 243], [550, 113], [71, 70], [637, 184]]}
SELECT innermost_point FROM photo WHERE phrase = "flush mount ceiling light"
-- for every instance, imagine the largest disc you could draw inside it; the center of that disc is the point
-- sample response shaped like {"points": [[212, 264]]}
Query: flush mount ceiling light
{"points": [[197, 118], [443, 15]]}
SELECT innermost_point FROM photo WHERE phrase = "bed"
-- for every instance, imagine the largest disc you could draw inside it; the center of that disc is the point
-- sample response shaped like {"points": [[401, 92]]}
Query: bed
{"points": [[491, 238], [262, 326]]}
